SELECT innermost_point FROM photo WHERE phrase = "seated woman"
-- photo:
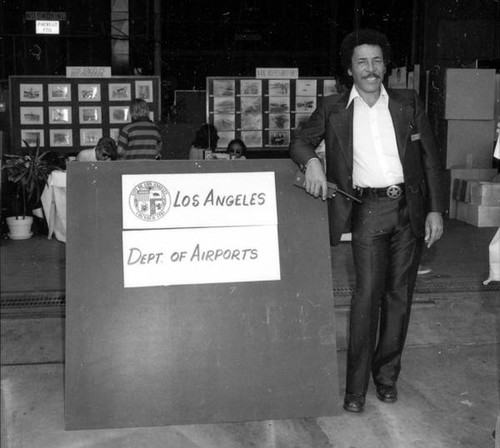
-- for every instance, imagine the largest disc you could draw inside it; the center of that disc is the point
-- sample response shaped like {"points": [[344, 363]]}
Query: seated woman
{"points": [[206, 138], [104, 150], [237, 149]]}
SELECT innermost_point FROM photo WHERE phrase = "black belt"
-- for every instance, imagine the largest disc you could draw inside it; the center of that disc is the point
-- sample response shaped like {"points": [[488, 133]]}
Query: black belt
{"points": [[391, 192]]}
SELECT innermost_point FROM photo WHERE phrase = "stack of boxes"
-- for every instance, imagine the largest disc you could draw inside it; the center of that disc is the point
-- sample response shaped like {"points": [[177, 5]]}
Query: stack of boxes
{"points": [[471, 112], [478, 202]]}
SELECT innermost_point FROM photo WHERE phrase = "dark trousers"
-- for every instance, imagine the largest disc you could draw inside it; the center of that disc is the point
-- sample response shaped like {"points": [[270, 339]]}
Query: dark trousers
{"points": [[386, 256]]}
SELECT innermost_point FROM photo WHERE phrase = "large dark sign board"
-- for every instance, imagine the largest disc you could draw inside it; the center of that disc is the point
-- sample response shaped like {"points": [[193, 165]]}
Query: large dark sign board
{"points": [[218, 351]]}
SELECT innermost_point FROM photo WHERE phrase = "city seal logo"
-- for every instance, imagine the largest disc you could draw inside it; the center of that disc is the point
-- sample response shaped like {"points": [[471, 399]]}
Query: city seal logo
{"points": [[150, 200]]}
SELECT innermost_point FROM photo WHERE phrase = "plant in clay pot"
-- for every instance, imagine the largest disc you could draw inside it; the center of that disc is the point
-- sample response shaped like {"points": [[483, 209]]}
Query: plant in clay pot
{"points": [[28, 172]]}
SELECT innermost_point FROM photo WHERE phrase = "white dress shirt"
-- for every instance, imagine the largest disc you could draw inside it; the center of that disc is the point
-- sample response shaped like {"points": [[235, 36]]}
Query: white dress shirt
{"points": [[375, 151]]}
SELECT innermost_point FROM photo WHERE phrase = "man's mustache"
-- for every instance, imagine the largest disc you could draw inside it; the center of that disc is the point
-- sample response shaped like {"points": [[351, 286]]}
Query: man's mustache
{"points": [[371, 74]]}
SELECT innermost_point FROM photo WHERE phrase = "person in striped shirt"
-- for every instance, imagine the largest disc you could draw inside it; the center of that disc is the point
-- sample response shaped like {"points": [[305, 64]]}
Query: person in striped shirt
{"points": [[140, 139]]}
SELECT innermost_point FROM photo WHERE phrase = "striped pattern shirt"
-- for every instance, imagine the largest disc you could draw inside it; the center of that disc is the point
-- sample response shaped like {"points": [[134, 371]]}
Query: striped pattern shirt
{"points": [[139, 140]]}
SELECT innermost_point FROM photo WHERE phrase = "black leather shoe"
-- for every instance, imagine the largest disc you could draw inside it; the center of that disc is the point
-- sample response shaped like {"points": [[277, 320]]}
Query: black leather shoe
{"points": [[387, 394], [354, 403]]}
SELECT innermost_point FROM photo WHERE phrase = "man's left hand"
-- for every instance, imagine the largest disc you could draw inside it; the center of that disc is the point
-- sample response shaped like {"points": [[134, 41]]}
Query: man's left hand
{"points": [[433, 228]]}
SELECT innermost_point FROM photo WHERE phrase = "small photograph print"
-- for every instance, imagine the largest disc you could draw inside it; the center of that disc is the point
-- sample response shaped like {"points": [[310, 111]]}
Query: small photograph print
{"points": [[279, 104], [224, 139], [114, 133], [330, 87], [251, 105], [59, 115], [306, 87], [61, 137], [279, 121], [119, 92], [59, 92], [90, 115], [251, 87], [224, 87], [278, 138], [305, 103], [279, 87], [89, 92], [30, 92], [144, 90], [251, 122], [224, 105], [31, 115], [252, 139], [300, 119], [119, 114], [224, 122], [90, 137], [33, 136]]}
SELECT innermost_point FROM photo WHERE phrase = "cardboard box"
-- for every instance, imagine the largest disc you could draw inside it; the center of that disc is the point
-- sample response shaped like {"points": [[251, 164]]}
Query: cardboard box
{"points": [[478, 215], [470, 143], [467, 173], [484, 193]]}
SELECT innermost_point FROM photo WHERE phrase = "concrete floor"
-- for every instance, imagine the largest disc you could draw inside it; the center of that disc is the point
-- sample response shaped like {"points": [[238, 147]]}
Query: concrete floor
{"points": [[449, 386], [449, 391]]}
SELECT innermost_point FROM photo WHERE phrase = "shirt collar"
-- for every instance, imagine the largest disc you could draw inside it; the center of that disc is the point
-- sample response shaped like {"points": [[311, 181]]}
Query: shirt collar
{"points": [[384, 97]]}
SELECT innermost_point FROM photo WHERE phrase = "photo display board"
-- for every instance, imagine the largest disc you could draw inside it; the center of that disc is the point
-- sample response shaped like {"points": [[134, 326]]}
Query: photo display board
{"points": [[70, 114], [196, 292], [263, 113]]}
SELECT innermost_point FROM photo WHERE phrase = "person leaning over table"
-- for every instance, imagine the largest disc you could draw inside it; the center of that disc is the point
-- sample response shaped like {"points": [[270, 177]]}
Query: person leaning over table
{"points": [[104, 150], [379, 146], [140, 139]]}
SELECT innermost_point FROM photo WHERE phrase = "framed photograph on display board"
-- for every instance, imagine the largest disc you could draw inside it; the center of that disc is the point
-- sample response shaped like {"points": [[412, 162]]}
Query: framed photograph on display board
{"points": [[252, 139], [251, 87], [90, 137], [89, 92], [224, 87], [61, 137], [119, 92], [279, 87], [31, 115], [90, 115], [59, 115], [31, 136], [251, 105], [279, 121], [224, 122], [31, 92], [279, 138], [144, 90], [306, 87], [224, 105], [59, 92], [119, 114], [251, 122]]}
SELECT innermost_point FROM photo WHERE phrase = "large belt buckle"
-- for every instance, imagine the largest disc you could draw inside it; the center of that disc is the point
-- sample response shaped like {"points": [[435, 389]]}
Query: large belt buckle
{"points": [[394, 191]]}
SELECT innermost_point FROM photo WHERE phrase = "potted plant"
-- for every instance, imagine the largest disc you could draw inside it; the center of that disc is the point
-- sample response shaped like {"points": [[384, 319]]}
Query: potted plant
{"points": [[28, 172]]}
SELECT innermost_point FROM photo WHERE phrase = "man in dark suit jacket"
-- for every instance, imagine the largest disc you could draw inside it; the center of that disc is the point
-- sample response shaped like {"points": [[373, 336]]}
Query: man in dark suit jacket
{"points": [[379, 147]]}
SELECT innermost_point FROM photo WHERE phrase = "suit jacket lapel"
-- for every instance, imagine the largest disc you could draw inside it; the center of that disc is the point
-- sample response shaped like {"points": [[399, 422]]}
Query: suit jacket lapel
{"points": [[401, 117], [341, 120]]}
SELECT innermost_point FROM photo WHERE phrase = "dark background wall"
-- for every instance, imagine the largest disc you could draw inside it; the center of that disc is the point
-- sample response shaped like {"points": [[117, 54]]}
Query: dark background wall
{"points": [[200, 38]]}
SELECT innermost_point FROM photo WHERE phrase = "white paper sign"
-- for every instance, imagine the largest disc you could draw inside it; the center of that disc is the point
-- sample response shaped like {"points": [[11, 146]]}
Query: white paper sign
{"points": [[200, 256], [198, 200]]}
